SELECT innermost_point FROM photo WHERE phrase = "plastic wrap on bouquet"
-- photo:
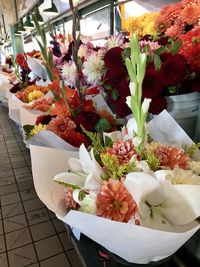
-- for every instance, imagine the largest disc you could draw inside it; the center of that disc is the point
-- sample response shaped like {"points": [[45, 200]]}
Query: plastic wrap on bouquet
{"points": [[49, 139], [46, 162], [135, 244]]}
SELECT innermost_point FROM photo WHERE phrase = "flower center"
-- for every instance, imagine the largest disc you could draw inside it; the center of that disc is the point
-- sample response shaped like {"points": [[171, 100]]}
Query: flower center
{"points": [[117, 204]]}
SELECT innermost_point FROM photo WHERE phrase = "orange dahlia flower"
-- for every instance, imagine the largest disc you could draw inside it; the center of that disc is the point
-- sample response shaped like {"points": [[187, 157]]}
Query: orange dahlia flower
{"points": [[171, 157], [115, 202]]}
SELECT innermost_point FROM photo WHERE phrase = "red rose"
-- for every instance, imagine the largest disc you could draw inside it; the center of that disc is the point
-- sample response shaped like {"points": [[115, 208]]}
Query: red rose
{"points": [[113, 58]]}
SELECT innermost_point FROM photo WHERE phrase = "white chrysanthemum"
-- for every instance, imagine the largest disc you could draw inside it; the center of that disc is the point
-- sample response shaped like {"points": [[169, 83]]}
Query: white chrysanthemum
{"points": [[88, 204], [93, 68], [69, 73], [195, 167], [180, 176], [83, 51]]}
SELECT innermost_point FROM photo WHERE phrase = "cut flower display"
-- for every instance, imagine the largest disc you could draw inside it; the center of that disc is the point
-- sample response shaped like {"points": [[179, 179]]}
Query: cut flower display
{"points": [[129, 184]]}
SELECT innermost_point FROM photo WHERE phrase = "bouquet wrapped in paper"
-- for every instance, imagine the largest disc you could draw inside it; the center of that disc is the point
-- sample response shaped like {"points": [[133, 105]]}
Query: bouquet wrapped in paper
{"points": [[134, 193]]}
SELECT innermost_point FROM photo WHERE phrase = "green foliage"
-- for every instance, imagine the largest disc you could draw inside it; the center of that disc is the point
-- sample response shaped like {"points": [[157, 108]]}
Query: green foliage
{"points": [[72, 186], [192, 149], [108, 141], [113, 169], [157, 61], [175, 46], [28, 128], [102, 125], [115, 94], [152, 160], [95, 139]]}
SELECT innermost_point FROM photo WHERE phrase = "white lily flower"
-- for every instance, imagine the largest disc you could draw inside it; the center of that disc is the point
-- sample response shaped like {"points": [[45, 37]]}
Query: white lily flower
{"points": [[85, 172], [163, 206], [145, 105]]}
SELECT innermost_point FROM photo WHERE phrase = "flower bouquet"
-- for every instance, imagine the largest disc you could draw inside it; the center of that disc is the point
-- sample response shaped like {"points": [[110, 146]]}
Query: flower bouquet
{"points": [[128, 190]]}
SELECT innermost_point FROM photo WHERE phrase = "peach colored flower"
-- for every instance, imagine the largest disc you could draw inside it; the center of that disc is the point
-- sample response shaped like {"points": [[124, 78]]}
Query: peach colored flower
{"points": [[115, 202], [173, 31], [171, 157], [124, 150], [61, 126]]}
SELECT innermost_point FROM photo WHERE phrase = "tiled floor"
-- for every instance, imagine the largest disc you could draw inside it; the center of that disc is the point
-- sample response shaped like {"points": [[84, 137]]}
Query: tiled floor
{"points": [[30, 234]]}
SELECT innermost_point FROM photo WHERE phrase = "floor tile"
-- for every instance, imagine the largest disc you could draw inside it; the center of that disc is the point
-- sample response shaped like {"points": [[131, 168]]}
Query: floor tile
{"points": [[2, 244], [18, 238], [12, 210], [42, 230], [59, 225], [37, 216], [15, 155], [19, 164], [6, 173], [28, 194], [59, 261], [22, 256], [1, 227], [48, 247], [10, 199], [51, 214], [4, 190], [14, 223], [23, 177], [17, 159], [20, 171], [73, 258], [25, 185], [65, 240], [7, 180], [33, 204], [3, 260]]}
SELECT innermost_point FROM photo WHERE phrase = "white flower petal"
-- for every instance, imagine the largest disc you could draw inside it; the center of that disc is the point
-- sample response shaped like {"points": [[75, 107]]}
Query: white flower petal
{"points": [[128, 101], [75, 164], [182, 204], [161, 175], [93, 183], [76, 195], [85, 159], [70, 178], [132, 127], [114, 136]]}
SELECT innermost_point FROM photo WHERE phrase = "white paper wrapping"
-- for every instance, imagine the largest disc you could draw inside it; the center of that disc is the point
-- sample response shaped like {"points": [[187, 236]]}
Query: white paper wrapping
{"points": [[37, 68], [14, 105], [49, 139], [47, 162], [133, 243], [28, 116]]}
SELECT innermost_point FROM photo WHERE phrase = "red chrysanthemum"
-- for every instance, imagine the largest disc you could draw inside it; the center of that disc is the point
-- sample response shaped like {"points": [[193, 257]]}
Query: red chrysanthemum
{"points": [[171, 157], [115, 202], [77, 138], [113, 58]]}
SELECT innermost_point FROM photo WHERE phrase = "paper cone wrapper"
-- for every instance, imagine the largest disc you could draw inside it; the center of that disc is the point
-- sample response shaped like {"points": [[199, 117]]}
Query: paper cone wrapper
{"points": [[28, 116], [14, 105], [47, 162], [37, 68], [136, 244], [51, 140]]}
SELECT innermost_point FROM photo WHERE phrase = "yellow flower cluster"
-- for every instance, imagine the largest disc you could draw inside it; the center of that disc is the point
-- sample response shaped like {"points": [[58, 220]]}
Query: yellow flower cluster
{"points": [[180, 176], [37, 129], [34, 95], [142, 25]]}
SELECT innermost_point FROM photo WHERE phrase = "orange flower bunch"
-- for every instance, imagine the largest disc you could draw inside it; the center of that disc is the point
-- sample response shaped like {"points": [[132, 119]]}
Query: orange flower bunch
{"points": [[24, 94]]}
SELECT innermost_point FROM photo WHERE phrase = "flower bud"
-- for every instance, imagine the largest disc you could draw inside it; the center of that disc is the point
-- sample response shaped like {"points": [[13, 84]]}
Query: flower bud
{"points": [[145, 105]]}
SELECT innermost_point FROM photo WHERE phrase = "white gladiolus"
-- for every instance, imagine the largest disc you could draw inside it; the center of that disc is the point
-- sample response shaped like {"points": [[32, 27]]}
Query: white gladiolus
{"points": [[128, 101], [145, 105], [132, 88]]}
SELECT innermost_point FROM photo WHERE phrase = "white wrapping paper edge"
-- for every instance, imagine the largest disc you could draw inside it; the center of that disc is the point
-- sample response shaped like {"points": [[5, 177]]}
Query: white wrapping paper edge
{"points": [[133, 243]]}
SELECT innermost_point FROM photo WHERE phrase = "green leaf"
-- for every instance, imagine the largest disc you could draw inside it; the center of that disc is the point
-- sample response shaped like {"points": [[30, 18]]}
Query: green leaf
{"points": [[56, 97], [102, 125], [108, 141], [28, 128], [115, 94], [160, 50], [176, 46], [157, 61]]}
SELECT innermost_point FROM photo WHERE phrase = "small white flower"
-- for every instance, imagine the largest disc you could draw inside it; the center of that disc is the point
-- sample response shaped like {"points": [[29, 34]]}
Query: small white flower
{"points": [[132, 88], [145, 105], [93, 68], [137, 141], [88, 204], [69, 73], [128, 101]]}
